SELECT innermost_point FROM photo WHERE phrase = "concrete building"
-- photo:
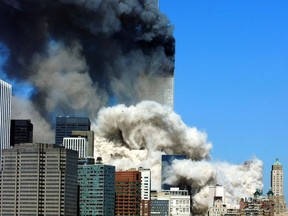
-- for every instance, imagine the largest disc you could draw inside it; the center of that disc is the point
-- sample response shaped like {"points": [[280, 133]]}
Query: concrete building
{"points": [[96, 189], [258, 205], [277, 185], [65, 126], [179, 201], [21, 131], [89, 136], [78, 144], [145, 191], [5, 115], [217, 201], [128, 192], [167, 161], [38, 179]]}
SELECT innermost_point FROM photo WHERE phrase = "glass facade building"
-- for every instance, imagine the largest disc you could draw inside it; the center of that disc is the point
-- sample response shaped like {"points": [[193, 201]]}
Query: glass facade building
{"points": [[65, 126], [21, 131], [96, 189]]}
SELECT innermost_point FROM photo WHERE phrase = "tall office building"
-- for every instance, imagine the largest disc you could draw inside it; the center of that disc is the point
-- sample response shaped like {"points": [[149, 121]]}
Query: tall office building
{"points": [[38, 179], [145, 191], [97, 189], [277, 183], [5, 114], [21, 131], [128, 192], [65, 126], [167, 161]]}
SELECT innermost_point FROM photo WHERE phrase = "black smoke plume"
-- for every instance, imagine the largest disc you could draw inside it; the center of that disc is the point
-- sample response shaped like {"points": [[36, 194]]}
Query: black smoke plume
{"points": [[101, 46]]}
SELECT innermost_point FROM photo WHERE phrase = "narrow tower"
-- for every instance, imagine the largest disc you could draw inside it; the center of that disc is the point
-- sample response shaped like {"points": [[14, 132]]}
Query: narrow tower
{"points": [[5, 115], [277, 179]]}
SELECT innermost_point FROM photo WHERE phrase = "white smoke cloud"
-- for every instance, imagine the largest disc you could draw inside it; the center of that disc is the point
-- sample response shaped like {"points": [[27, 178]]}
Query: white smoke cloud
{"points": [[239, 180], [134, 136]]}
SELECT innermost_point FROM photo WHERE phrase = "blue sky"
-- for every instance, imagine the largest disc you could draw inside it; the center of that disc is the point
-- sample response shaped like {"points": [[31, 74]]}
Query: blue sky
{"points": [[231, 76]]}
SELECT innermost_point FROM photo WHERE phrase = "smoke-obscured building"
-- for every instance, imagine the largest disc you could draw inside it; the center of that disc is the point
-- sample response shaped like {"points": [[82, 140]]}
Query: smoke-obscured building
{"points": [[217, 201], [21, 131], [38, 179], [145, 191], [128, 192], [65, 126], [96, 189], [277, 185], [5, 114], [166, 163]]}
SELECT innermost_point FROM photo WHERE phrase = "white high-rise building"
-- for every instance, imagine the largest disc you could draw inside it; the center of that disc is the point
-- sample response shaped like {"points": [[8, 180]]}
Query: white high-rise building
{"points": [[5, 114], [79, 144], [145, 191]]}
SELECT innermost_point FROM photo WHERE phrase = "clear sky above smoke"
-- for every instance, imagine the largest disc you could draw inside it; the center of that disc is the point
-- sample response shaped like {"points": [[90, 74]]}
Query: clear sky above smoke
{"points": [[231, 76]]}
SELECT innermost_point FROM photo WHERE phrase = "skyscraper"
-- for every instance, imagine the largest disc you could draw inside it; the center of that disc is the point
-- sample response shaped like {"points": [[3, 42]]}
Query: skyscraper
{"points": [[38, 179], [145, 191], [65, 126], [96, 189], [128, 192], [21, 131], [167, 161], [5, 115], [277, 180]]}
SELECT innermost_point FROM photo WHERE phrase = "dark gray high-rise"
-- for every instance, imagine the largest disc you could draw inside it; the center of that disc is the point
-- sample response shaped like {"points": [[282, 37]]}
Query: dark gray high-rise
{"points": [[65, 126], [21, 131]]}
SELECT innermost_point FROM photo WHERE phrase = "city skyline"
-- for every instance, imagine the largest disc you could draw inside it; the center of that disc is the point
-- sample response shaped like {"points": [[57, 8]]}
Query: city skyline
{"points": [[229, 83]]}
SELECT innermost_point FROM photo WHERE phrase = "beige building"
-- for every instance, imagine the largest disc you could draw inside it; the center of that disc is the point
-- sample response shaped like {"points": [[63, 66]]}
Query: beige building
{"points": [[277, 182], [38, 179], [217, 201]]}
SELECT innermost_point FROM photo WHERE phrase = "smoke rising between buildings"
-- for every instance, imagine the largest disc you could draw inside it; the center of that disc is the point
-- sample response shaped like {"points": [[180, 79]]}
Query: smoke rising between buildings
{"points": [[80, 56]]}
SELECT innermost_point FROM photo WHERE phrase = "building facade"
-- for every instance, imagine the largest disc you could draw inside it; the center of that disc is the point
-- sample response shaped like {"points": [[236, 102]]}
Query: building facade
{"points": [[21, 131], [145, 191], [5, 114], [96, 189], [38, 179], [217, 201], [128, 192], [89, 136], [65, 126], [277, 185], [78, 144], [167, 161]]}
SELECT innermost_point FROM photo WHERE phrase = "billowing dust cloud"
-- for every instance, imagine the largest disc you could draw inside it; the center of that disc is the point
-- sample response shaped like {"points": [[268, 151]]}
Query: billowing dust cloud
{"points": [[79, 56], [134, 136]]}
